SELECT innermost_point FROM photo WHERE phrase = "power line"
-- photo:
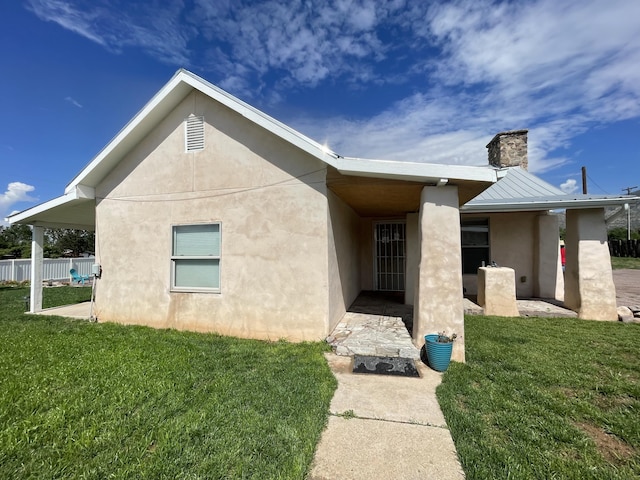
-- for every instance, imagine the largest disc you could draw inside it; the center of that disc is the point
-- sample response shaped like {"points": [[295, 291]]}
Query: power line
{"points": [[602, 189], [628, 189]]}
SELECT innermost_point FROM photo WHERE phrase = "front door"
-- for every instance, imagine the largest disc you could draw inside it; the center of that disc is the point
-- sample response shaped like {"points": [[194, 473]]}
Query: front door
{"points": [[390, 256]]}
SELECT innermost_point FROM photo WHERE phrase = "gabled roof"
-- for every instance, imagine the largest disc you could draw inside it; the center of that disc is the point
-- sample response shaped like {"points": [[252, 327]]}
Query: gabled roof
{"points": [[520, 190], [185, 82]]}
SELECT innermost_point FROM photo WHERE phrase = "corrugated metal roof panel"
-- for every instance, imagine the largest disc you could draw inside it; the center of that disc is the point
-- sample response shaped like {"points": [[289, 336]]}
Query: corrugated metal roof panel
{"points": [[517, 184]]}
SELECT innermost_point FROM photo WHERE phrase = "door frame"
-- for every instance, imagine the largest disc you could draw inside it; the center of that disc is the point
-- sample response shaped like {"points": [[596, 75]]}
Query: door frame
{"points": [[401, 279]]}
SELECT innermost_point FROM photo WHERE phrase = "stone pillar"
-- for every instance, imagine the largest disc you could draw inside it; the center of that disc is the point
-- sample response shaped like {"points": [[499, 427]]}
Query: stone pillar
{"points": [[412, 257], [589, 288], [497, 291], [438, 304], [37, 254], [548, 279]]}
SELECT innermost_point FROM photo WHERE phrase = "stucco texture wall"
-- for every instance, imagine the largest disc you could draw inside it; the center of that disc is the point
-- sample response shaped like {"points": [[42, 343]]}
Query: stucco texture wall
{"points": [[527, 242], [344, 256], [270, 199]]}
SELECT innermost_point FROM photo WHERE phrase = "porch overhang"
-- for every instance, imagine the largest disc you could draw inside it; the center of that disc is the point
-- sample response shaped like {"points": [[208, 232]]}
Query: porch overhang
{"points": [[387, 188], [75, 209]]}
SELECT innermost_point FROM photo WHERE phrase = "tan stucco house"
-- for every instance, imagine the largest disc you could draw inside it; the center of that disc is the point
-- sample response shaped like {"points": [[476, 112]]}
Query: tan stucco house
{"points": [[515, 223], [212, 216]]}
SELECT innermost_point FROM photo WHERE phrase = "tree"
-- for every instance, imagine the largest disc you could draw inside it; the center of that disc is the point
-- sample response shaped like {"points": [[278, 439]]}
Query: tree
{"points": [[69, 242], [15, 241], [620, 233]]}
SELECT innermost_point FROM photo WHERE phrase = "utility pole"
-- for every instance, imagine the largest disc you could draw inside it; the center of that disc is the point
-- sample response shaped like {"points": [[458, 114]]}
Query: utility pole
{"points": [[584, 180], [628, 207]]}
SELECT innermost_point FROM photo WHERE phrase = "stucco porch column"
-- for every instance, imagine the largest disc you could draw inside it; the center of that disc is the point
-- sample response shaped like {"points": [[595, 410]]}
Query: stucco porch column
{"points": [[589, 288], [548, 281], [438, 301], [37, 254]]}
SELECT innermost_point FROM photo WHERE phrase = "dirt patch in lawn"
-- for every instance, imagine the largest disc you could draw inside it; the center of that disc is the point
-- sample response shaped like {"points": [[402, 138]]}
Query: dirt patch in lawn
{"points": [[613, 449]]}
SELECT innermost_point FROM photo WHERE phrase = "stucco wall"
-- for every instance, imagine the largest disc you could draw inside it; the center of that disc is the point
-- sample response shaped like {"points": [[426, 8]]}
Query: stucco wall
{"points": [[413, 257], [512, 240], [270, 199], [528, 242], [344, 258], [366, 254]]}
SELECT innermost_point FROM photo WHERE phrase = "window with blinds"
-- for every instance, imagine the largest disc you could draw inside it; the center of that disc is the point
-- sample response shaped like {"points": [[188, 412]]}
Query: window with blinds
{"points": [[194, 133], [195, 258]]}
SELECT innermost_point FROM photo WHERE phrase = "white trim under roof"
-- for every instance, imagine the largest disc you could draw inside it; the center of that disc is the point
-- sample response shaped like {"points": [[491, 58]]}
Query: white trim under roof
{"points": [[547, 203], [414, 171], [44, 214], [184, 82]]}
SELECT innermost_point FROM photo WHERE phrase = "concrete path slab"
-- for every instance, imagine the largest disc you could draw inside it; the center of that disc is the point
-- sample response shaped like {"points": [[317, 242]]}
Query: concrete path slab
{"points": [[77, 310], [397, 430]]}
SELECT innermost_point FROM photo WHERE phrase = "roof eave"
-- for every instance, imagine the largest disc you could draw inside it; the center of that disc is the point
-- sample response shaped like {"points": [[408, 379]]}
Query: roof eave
{"points": [[414, 171], [555, 204], [173, 92], [35, 215]]}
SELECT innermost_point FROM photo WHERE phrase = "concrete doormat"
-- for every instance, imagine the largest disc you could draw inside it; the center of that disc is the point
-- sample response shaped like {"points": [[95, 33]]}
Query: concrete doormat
{"points": [[405, 367]]}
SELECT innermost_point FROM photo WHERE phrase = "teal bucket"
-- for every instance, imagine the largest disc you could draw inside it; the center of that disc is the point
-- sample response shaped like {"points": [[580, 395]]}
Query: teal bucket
{"points": [[438, 354]]}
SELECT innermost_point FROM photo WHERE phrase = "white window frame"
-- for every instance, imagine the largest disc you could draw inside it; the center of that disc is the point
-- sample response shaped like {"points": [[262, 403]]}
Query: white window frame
{"points": [[176, 259]]}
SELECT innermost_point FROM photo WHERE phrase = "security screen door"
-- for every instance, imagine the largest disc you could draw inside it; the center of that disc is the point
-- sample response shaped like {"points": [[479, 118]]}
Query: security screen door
{"points": [[389, 263]]}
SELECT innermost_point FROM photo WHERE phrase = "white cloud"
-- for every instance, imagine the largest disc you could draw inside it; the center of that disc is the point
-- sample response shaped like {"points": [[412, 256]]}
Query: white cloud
{"points": [[471, 68], [152, 27], [555, 68], [16, 192], [570, 186], [73, 102]]}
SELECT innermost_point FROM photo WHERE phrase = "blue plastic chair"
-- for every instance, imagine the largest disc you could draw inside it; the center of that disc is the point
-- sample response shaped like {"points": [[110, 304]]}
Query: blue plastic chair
{"points": [[77, 277]]}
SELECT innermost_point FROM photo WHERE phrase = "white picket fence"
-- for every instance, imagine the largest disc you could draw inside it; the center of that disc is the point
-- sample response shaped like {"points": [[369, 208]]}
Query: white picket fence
{"points": [[53, 268]]}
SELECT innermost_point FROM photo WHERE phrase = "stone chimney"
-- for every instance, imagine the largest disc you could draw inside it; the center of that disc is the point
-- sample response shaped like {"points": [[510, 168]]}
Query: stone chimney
{"points": [[509, 149]]}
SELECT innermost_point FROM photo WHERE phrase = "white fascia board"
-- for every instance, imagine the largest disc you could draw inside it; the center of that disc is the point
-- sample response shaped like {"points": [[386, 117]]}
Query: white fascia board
{"points": [[414, 171], [38, 209], [260, 118], [168, 97], [546, 205], [135, 122], [79, 192]]}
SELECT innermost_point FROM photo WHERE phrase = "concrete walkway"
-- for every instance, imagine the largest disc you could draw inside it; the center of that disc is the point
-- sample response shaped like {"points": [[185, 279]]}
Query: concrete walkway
{"points": [[77, 310], [384, 427]]}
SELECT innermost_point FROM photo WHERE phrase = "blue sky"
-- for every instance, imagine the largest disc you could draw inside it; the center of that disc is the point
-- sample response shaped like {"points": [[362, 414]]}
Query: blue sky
{"points": [[405, 80]]}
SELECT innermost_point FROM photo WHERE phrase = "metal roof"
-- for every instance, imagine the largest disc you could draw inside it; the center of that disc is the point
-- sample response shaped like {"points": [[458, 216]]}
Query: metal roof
{"points": [[520, 190], [517, 183]]}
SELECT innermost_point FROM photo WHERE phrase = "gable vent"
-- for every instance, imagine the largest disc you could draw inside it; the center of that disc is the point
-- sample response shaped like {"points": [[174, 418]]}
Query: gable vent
{"points": [[194, 133]]}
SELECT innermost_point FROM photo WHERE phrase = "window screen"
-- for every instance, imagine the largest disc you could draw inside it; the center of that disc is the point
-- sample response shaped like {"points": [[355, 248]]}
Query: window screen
{"points": [[195, 257]]}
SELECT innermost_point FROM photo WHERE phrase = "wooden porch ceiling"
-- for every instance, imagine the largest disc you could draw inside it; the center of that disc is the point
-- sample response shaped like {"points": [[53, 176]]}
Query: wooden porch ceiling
{"points": [[381, 197]]}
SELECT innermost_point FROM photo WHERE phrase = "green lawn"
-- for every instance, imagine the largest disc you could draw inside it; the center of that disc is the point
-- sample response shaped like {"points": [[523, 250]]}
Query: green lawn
{"points": [[625, 262], [546, 398], [83, 400]]}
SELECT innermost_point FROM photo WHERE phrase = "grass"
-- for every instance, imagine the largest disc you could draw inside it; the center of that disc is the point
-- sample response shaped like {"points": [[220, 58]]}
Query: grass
{"points": [[546, 398], [625, 262], [83, 400]]}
